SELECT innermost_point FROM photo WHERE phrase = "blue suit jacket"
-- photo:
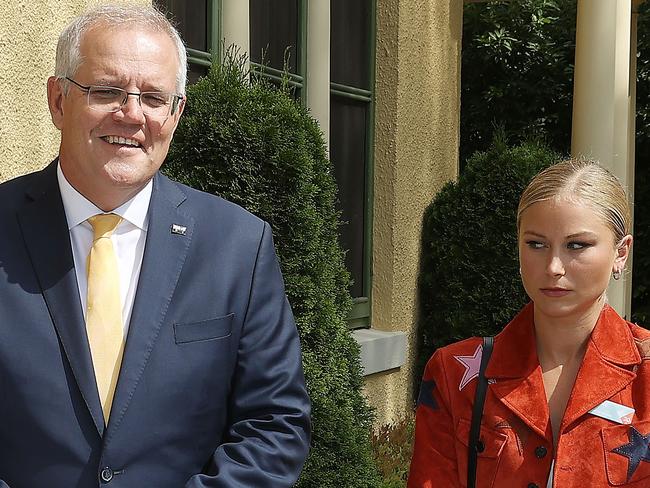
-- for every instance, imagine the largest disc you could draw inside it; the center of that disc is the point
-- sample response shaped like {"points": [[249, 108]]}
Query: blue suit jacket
{"points": [[211, 391]]}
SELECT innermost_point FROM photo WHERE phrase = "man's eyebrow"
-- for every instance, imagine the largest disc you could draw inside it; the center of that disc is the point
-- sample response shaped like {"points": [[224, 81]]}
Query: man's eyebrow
{"points": [[118, 83]]}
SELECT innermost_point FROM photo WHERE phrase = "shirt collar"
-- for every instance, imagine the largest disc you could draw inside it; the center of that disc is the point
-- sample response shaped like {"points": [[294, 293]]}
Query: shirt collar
{"points": [[78, 208]]}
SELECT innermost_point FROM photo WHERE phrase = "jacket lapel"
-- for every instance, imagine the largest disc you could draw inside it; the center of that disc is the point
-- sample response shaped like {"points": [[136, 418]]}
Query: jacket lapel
{"points": [[517, 376], [164, 254], [53, 264], [606, 368]]}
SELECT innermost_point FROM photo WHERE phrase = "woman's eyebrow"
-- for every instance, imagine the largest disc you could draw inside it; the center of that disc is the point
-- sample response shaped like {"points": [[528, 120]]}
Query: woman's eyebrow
{"points": [[584, 233], [533, 233]]}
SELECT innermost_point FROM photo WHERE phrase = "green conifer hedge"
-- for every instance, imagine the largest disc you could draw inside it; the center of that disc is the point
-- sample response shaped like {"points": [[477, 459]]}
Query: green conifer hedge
{"points": [[254, 145], [469, 279]]}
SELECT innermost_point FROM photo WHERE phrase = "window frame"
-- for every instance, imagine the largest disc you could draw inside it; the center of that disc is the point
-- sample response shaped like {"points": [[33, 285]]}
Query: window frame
{"points": [[214, 30], [360, 314], [298, 79]]}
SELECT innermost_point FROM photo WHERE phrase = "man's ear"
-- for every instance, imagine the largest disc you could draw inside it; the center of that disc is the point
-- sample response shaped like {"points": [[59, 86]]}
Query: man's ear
{"points": [[180, 107], [55, 98], [176, 117]]}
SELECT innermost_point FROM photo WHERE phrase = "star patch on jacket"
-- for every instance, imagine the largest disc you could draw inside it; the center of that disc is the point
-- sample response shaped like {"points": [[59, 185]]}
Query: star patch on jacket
{"points": [[637, 450], [472, 366], [426, 394]]}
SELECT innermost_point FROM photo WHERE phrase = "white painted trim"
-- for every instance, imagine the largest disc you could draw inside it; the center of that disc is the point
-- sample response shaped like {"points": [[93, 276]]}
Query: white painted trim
{"points": [[317, 76], [235, 24]]}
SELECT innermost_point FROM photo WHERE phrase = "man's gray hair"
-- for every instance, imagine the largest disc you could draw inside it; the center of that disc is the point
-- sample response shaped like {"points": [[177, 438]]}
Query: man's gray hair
{"points": [[68, 49]]}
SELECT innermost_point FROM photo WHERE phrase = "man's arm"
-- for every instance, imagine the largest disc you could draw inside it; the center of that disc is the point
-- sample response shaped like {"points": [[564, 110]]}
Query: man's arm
{"points": [[268, 438]]}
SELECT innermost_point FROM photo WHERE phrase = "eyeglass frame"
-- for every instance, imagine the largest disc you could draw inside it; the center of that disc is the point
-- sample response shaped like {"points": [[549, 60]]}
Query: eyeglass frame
{"points": [[173, 107]]}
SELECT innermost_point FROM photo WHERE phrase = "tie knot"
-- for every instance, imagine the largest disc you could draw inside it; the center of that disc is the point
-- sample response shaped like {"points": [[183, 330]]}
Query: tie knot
{"points": [[104, 224]]}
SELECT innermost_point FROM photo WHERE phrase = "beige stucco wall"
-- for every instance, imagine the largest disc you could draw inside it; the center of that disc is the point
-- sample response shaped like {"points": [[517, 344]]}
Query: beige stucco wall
{"points": [[416, 152], [28, 33]]}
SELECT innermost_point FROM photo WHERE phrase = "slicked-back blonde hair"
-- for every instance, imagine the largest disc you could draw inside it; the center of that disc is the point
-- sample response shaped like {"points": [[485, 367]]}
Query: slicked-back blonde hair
{"points": [[585, 182]]}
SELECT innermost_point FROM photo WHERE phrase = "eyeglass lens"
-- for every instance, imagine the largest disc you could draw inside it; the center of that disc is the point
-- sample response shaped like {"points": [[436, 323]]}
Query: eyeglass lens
{"points": [[109, 99]]}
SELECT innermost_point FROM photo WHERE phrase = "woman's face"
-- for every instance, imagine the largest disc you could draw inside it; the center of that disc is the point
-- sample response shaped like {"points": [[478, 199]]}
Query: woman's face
{"points": [[567, 254]]}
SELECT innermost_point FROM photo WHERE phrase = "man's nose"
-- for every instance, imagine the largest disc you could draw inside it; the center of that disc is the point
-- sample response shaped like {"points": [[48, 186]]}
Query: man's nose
{"points": [[132, 110]]}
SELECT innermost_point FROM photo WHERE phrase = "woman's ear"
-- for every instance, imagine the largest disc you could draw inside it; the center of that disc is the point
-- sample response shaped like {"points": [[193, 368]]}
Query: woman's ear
{"points": [[622, 253]]}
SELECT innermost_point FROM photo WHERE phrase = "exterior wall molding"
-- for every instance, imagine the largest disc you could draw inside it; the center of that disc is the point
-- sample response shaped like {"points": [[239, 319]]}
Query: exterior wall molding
{"points": [[380, 350]]}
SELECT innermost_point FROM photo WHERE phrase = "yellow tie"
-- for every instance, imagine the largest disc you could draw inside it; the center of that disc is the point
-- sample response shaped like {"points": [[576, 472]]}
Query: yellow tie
{"points": [[104, 309]]}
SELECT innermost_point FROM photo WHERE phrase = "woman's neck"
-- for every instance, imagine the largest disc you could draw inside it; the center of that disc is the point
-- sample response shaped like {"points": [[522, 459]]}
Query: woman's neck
{"points": [[561, 341]]}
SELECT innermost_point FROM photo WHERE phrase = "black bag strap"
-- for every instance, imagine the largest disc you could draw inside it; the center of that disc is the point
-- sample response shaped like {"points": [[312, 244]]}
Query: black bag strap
{"points": [[475, 445]]}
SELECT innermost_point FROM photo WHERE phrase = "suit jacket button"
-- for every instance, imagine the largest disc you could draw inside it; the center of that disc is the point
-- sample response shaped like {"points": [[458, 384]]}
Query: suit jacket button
{"points": [[540, 451], [106, 475], [533, 485]]}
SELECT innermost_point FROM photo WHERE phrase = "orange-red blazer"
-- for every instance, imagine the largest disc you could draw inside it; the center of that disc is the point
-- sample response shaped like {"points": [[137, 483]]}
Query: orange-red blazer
{"points": [[516, 433]]}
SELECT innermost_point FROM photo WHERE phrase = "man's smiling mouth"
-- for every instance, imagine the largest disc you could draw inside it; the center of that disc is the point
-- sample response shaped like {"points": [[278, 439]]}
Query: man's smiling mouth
{"points": [[121, 140]]}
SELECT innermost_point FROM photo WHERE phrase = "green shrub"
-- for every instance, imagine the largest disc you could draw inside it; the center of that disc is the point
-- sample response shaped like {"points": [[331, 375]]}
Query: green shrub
{"points": [[252, 144], [469, 280]]}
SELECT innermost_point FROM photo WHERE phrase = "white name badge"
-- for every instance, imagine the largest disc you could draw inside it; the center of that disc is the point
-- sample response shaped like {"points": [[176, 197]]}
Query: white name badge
{"points": [[615, 412]]}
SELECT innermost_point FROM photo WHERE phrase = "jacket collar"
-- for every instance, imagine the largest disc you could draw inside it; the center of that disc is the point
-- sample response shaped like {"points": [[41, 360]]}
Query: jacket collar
{"points": [[518, 383], [611, 340]]}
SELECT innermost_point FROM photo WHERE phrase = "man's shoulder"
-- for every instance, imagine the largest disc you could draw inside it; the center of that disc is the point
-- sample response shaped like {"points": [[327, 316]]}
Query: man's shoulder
{"points": [[17, 187], [210, 205]]}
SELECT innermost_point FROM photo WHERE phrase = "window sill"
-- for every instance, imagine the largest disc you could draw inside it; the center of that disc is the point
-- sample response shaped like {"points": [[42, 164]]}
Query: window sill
{"points": [[380, 350]]}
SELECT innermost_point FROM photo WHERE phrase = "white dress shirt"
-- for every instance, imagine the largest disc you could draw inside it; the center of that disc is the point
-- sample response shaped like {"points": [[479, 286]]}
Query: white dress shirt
{"points": [[128, 239]]}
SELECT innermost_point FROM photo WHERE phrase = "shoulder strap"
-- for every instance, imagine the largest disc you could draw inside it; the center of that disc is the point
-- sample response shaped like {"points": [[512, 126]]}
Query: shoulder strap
{"points": [[475, 445]]}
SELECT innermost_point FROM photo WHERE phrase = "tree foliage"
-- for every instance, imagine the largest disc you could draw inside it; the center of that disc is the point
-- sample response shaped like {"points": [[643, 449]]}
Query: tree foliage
{"points": [[517, 72]]}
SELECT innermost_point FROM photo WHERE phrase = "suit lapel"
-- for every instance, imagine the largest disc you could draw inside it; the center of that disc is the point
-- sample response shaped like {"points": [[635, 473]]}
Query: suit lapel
{"points": [[164, 254], [53, 264]]}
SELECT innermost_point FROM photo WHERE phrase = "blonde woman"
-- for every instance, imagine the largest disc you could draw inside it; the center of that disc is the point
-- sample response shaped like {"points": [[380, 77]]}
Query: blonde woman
{"points": [[568, 395]]}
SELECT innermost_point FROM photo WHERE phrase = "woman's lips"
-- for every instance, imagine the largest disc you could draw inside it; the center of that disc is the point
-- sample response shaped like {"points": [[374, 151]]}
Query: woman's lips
{"points": [[555, 292]]}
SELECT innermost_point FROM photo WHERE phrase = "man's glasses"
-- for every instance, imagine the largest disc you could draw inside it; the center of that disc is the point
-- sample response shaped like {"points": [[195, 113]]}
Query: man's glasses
{"points": [[111, 99]]}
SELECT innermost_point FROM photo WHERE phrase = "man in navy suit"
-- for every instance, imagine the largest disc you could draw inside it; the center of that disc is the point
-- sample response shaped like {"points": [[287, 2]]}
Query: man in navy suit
{"points": [[205, 386]]}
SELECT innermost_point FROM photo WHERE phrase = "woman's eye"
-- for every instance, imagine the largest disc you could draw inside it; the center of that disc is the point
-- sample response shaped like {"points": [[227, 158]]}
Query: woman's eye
{"points": [[534, 244], [577, 245]]}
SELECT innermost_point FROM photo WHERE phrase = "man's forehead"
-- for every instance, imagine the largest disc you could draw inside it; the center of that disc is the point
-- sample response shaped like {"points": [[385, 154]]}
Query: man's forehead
{"points": [[114, 55], [109, 33]]}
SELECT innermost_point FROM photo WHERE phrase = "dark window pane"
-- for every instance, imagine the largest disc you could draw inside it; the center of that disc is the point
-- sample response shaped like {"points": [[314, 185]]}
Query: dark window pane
{"points": [[190, 18], [350, 42], [194, 72], [348, 122], [274, 27]]}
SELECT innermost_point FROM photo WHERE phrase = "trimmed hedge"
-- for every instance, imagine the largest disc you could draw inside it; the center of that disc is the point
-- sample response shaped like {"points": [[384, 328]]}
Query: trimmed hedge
{"points": [[469, 280], [253, 145]]}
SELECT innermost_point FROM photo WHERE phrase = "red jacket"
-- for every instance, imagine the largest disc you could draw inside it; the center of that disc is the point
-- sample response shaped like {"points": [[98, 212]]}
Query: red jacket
{"points": [[516, 428]]}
